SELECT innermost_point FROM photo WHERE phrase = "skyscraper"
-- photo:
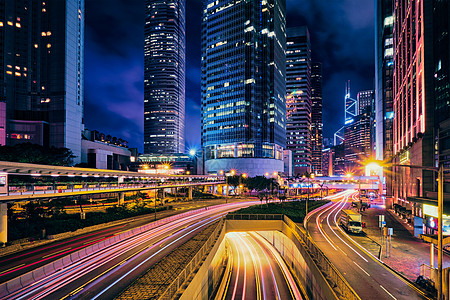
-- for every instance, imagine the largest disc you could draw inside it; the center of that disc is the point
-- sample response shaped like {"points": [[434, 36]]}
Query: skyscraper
{"points": [[365, 101], [316, 119], [384, 94], [164, 76], [298, 95], [243, 85], [414, 97], [41, 72]]}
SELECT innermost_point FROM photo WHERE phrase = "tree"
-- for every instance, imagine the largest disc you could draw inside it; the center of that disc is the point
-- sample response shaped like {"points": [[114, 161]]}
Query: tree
{"points": [[37, 154]]}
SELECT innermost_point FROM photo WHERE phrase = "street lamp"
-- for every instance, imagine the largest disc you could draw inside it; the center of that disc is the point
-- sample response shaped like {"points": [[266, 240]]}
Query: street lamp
{"points": [[307, 199]]}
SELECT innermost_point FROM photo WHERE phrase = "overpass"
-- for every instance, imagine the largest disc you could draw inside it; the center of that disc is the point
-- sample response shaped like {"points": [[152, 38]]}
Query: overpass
{"points": [[119, 182], [339, 183]]}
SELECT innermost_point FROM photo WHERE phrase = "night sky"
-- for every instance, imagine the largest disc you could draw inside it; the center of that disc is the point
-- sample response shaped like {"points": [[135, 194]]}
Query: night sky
{"points": [[342, 38]]}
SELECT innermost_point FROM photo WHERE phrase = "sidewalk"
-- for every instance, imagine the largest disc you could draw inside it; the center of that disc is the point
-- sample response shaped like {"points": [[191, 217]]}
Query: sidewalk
{"points": [[408, 253]]}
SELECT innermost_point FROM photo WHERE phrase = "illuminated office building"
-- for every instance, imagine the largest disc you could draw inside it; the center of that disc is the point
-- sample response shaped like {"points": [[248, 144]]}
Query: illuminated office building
{"points": [[418, 109], [316, 118], [365, 101], [298, 95], [243, 85], [384, 94], [164, 76], [41, 73]]}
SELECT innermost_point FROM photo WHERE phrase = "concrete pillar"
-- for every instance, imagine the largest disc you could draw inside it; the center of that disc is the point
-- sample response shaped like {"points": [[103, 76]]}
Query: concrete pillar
{"points": [[121, 198], [3, 222], [190, 193]]}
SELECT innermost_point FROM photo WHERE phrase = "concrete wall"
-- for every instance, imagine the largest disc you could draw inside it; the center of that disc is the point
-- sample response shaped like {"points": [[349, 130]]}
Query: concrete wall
{"points": [[277, 232], [209, 275]]}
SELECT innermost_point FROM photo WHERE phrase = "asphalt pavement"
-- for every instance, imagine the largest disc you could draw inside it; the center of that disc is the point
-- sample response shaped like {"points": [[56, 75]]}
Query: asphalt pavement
{"points": [[365, 274]]}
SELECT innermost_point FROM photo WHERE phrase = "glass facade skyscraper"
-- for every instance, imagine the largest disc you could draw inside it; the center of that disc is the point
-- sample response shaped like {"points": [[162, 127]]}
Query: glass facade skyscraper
{"points": [[243, 85], [298, 95], [316, 118], [41, 72], [164, 76]]}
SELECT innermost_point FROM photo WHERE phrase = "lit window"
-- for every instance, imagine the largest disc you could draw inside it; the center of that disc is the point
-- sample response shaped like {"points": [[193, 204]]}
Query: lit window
{"points": [[9, 66], [44, 10], [18, 25], [36, 45], [10, 23], [17, 68], [44, 34], [1, 24], [49, 33], [18, 74], [9, 72], [49, 45]]}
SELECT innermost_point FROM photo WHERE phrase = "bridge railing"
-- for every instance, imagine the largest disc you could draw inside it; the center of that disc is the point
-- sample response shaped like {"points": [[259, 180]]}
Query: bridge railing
{"points": [[173, 288], [74, 187], [254, 217], [330, 272]]}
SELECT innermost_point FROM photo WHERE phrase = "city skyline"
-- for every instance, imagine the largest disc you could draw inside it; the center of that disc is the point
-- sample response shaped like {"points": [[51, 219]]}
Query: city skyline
{"points": [[114, 71]]}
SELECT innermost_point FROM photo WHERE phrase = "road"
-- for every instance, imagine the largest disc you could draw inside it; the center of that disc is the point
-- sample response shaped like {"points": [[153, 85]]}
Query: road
{"points": [[365, 274], [102, 275], [258, 271], [16, 264]]}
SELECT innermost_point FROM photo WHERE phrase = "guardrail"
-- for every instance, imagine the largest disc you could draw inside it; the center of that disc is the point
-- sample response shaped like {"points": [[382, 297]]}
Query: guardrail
{"points": [[254, 217], [64, 188], [326, 267], [173, 288], [428, 272]]}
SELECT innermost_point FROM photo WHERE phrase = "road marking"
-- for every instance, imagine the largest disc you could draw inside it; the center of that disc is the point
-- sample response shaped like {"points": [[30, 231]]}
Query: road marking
{"points": [[387, 292], [12, 268], [361, 269], [57, 252]]}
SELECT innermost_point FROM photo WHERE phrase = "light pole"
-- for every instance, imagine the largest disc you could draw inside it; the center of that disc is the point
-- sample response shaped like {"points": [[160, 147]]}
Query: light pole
{"points": [[307, 199]]}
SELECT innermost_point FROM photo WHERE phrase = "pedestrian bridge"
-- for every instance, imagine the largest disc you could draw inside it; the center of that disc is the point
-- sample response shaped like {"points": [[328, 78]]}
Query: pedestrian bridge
{"points": [[339, 183]]}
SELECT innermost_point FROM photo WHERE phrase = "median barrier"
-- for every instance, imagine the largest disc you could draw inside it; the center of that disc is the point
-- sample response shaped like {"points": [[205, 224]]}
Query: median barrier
{"points": [[40, 273], [58, 264], [66, 260], [22, 281], [27, 279], [12, 286], [47, 269]]}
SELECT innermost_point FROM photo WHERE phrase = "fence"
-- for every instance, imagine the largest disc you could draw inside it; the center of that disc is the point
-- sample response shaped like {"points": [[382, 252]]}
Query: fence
{"points": [[330, 272], [193, 264], [428, 272], [254, 217]]}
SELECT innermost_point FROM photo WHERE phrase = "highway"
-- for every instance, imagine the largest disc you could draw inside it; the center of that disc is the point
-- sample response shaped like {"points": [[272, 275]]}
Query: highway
{"points": [[103, 274], [365, 274], [22, 262], [258, 271]]}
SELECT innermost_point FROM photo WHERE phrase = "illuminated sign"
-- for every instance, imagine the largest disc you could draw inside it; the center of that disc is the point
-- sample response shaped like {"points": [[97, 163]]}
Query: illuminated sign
{"points": [[390, 115], [404, 158], [432, 211], [349, 121]]}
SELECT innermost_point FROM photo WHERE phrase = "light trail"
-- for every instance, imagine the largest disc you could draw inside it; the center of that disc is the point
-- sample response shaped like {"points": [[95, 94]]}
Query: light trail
{"points": [[340, 206], [265, 260], [286, 273], [62, 278]]}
